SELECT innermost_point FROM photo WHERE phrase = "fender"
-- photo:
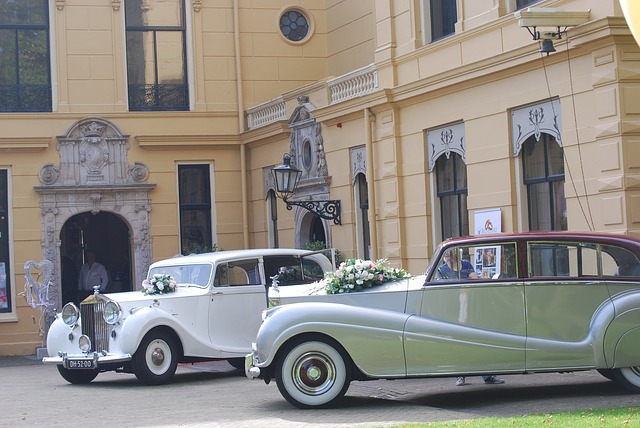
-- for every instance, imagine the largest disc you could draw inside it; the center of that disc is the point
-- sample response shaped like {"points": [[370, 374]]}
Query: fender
{"points": [[621, 337], [357, 329], [58, 337], [136, 326]]}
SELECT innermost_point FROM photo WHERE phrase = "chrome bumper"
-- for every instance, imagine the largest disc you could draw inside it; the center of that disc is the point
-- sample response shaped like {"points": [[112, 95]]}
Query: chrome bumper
{"points": [[98, 359], [250, 369]]}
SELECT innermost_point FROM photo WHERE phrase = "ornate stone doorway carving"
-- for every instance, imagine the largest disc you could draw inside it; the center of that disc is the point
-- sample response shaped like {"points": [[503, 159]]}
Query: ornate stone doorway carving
{"points": [[307, 154], [94, 177]]}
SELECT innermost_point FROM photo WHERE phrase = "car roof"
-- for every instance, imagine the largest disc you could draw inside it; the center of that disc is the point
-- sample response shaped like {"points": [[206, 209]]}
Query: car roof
{"points": [[219, 256], [600, 237]]}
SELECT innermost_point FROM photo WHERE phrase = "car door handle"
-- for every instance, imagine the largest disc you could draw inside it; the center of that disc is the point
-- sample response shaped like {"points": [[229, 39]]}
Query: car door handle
{"points": [[216, 293]]}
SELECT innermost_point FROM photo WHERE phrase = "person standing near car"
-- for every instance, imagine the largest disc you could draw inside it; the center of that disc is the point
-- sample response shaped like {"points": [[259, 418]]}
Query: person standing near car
{"points": [[92, 273], [449, 270]]}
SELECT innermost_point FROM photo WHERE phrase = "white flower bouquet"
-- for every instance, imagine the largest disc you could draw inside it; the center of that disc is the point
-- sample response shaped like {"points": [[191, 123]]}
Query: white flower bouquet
{"points": [[159, 284], [356, 274]]}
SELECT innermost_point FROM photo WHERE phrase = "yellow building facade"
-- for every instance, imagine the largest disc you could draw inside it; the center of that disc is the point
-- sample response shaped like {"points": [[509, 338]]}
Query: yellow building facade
{"points": [[142, 129]]}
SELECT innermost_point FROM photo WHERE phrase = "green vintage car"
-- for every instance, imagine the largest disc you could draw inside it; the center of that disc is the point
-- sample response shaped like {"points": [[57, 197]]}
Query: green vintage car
{"points": [[492, 304]]}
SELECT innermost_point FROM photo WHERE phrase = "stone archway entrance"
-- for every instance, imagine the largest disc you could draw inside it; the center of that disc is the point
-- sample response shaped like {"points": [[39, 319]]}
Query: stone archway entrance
{"points": [[107, 235], [312, 229], [94, 179]]}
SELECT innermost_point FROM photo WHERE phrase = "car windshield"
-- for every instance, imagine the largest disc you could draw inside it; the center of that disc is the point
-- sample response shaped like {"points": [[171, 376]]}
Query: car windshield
{"points": [[186, 274]]}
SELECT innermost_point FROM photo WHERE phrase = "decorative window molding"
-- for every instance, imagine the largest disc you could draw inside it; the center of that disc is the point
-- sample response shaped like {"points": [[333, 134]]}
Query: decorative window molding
{"points": [[535, 119], [358, 162], [443, 141]]}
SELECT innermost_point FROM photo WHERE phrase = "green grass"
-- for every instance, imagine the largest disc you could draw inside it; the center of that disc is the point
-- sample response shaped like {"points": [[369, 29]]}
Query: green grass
{"points": [[602, 418]]}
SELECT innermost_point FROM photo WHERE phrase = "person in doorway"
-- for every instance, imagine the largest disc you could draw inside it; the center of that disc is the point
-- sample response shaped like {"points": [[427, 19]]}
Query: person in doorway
{"points": [[92, 273]]}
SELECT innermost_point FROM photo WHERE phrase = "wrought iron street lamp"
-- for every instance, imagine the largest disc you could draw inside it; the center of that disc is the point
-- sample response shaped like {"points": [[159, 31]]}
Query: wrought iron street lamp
{"points": [[287, 179]]}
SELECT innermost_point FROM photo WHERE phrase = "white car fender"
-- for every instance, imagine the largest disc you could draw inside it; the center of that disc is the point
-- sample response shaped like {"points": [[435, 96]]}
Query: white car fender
{"points": [[138, 324], [58, 337]]}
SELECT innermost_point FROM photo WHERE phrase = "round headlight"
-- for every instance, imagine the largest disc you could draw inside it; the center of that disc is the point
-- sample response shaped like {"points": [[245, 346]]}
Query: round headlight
{"points": [[70, 314], [84, 343], [112, 312]]}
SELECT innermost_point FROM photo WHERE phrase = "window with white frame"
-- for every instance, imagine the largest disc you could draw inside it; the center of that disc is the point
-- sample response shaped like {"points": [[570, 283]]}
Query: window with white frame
{"points": [[439, 18], [194, 193]]}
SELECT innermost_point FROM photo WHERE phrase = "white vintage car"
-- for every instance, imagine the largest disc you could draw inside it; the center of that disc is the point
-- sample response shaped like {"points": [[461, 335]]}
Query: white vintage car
{"points": [[214, 314], [492, 304]]}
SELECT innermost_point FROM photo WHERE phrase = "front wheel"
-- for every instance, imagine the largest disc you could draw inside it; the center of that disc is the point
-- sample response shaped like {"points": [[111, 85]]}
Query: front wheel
{"points": [[312, 374], [628, 377], [156, 359], [78, 376]]}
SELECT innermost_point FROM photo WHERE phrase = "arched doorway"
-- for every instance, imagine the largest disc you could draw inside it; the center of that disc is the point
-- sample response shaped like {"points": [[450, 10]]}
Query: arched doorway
{"points": [[108, 236], [87, 188], [312, 229]]}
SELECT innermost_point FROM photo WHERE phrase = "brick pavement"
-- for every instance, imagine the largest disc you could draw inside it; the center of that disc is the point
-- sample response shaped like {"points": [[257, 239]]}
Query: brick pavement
{"points": [[215, 394]]}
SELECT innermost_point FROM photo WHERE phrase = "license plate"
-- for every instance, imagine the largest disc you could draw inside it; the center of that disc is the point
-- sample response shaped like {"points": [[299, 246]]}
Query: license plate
{"points": [[80, 363]]}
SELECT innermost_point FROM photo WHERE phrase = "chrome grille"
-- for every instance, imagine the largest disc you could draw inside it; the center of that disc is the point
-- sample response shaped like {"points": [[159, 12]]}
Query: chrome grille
{"points": [[94, 326]]}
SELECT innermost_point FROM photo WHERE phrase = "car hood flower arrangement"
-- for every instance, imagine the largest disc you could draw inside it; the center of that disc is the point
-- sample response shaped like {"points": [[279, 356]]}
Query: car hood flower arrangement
{"points": [[159, 284], [357, 274]]}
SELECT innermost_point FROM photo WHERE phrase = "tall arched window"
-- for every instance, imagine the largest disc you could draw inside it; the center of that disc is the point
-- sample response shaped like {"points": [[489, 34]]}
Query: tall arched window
{"points": [[272, 212], [543, 171], [451, 177], [362, 216]]}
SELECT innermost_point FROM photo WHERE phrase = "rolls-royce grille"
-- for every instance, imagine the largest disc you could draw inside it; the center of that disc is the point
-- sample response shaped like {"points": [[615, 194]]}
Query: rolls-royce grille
{"points": [[94, 326]]}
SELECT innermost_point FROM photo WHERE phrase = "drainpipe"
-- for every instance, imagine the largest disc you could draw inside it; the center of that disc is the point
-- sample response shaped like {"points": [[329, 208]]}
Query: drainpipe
{"points": [[369, 118], [243, 157]]}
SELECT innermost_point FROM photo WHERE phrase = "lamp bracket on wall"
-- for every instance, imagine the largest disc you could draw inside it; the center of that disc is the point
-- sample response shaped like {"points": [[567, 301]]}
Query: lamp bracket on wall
{"points": [[287, 178], [328, 210]]}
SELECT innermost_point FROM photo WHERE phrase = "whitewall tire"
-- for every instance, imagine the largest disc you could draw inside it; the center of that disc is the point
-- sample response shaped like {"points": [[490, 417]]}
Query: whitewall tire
{"points": [[312, 374], [156, 359]]}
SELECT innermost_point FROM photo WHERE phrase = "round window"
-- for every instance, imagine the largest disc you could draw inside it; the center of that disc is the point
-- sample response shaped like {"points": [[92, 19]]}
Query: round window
{"points": [[294, 25]]}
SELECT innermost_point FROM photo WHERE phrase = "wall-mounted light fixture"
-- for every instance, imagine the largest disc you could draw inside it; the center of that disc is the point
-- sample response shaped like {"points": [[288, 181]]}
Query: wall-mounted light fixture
{"points": [[287, 178], [552, 22]]}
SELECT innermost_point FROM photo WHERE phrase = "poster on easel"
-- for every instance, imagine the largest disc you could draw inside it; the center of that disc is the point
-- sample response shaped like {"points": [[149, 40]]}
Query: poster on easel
{"points": [[487, 259]]}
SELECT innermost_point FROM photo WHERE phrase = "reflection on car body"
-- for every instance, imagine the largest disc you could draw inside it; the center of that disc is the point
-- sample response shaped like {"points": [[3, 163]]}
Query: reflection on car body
{"points": [[538, 302]]}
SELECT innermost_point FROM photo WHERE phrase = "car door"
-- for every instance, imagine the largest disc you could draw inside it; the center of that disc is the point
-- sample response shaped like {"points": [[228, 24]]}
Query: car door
{"points": [[562, 294], [469, 325], [238, 298]]}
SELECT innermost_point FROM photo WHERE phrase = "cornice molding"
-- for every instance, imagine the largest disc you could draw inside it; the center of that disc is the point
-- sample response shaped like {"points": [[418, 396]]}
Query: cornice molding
{"points": [[25, 144]]}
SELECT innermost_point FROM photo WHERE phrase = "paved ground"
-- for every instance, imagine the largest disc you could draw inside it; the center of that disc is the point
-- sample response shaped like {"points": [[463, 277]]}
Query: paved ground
{"points": [[216, 395]]}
